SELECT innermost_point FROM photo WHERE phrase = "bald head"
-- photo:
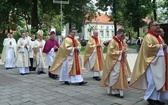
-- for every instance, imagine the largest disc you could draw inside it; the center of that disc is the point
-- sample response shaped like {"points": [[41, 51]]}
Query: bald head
{"points": [[161, 32], [95, 33]]}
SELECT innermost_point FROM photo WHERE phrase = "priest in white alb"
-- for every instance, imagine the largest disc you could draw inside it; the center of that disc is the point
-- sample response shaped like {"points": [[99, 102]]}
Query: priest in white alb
{"points": [[22, 61], [9, 51]]}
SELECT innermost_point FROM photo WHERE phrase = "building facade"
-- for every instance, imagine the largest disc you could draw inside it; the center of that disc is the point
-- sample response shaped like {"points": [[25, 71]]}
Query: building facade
{"points": [[106, 31], [102, 23]]}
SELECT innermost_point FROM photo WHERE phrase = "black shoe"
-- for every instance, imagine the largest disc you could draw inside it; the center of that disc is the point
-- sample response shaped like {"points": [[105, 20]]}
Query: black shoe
{"points": [[22, 73], [98, 79], [153, 102], [128, 82], [38, 72], [53, 76], [66, 83], [42, 72], [118, 95], [161, 103], [82, 83], [95, 77]]}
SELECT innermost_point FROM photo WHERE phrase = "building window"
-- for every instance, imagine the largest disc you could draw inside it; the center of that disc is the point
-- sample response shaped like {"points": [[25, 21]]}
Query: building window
{"points": [[101, 34], [107, 34], [144, 30], [112, 33]]}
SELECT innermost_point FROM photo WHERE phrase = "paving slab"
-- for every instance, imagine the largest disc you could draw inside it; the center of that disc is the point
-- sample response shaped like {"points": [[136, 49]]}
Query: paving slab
{"points": [[34, 89]]}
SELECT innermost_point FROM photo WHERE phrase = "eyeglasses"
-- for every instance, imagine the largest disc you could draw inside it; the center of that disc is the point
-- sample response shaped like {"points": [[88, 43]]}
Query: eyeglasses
{"points": [[155, 25], [160, 31]]}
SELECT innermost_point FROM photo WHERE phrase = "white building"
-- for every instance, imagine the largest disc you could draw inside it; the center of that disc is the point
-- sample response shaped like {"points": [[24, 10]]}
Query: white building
{"points": [[101, 23]]}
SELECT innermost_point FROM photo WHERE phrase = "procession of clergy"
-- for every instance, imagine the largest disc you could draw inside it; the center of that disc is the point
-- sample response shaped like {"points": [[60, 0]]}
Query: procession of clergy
{"points": [[150, 72]]}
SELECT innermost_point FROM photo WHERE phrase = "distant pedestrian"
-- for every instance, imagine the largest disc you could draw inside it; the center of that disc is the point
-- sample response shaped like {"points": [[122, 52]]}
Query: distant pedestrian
{"points": [[139, 42], [161, 32]]}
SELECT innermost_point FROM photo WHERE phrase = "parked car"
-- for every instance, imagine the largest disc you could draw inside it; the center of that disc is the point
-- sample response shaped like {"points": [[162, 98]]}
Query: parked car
{"points": [[106, 42], [83, 42], [131, 42]]}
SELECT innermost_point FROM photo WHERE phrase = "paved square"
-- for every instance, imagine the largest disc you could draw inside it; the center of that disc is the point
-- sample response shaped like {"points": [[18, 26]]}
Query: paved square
{"points": [[34, 89]]}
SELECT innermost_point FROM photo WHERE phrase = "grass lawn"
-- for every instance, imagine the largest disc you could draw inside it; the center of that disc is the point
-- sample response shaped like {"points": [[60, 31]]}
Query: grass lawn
{"points": [[83, 50], [133, 46], [105, 49]]}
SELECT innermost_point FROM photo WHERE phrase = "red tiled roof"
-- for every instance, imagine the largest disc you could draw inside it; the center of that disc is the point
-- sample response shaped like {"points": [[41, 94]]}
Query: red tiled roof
{"points": [[100, 18]]}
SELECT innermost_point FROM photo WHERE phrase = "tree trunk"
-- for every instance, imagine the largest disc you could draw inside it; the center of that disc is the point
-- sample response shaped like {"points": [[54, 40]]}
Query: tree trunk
{"points": [[27, 24], [115, 17], [154, 10], [34, 17], [137, 27], [137, 21]]}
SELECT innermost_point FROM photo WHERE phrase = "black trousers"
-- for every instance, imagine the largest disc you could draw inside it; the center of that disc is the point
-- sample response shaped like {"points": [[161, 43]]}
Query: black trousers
{"points": [[31, 65]]}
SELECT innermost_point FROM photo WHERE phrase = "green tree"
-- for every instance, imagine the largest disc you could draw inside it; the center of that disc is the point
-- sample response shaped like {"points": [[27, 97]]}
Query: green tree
{"points": [[116, 8], [163, 15], [75, 12], [134, 11], [127, 12]]}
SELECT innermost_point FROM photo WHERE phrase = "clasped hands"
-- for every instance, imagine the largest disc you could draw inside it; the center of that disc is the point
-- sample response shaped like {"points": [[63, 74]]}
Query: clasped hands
{"points": [[76, 49], [55, 47], [98, 45], [124, 51]]}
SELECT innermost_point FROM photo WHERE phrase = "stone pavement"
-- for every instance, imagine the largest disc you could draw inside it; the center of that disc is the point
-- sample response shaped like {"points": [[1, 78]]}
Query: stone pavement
{"points": [[34, 89]]}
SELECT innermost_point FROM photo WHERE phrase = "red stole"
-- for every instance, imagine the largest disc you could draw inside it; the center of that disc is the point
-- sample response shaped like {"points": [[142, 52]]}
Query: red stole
{"points": [[157, 36], [119, 42], [76, 59], [73, 40], [98, 49]]}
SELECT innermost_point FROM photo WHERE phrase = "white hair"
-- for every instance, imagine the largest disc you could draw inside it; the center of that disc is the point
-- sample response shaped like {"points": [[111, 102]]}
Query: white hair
{"points": [[95, 31]]}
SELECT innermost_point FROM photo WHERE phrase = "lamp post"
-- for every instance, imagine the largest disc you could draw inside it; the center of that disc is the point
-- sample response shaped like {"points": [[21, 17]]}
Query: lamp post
{"points": [[131, 27], [61, 14]]}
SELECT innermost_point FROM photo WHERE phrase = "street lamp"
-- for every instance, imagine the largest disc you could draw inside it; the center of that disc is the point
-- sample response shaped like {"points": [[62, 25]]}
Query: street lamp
{"points": [[131, 26], [61, 2]]}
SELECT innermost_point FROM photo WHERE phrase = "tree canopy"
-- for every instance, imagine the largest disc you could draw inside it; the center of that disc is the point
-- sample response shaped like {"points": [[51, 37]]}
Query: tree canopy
{"points": [[41, 14]]}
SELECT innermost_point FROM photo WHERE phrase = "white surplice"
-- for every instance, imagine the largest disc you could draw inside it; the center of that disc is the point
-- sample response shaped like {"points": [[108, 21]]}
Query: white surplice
{"points": [[156, 78], [50, 57], [22, 61], [9, 52], [40, 56]]}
